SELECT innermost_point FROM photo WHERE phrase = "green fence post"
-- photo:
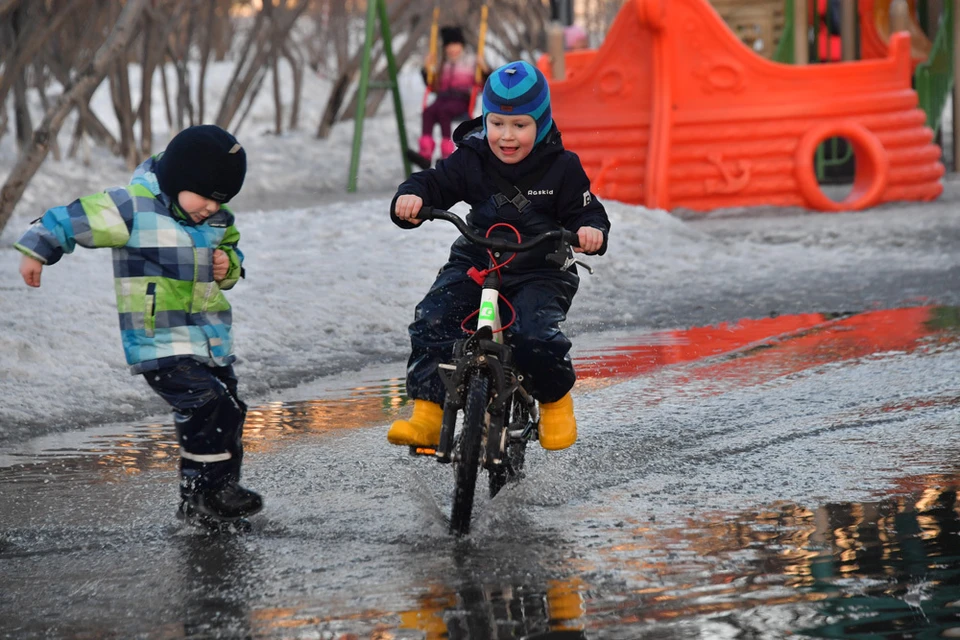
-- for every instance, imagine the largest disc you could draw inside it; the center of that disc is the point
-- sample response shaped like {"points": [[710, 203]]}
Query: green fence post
{"points": [[375, 9], [933, 78], [392, 74], [362, 95], [784, 51]]}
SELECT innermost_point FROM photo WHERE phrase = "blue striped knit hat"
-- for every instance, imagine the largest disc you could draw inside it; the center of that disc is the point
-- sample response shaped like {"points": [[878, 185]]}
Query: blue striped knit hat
{"points": [[518, 88]]}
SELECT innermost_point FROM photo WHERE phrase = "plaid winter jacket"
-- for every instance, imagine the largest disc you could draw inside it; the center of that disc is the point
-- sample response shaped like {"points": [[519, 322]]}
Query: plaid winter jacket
{"points": [[169, 305]]}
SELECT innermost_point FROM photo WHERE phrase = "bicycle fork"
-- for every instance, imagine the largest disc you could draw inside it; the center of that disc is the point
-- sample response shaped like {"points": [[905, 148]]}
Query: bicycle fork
{"points": [[478, 355]]}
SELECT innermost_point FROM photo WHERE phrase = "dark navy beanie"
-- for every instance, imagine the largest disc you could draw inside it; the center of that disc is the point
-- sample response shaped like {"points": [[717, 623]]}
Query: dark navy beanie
{"points": [[515, 89], [203, 159]]}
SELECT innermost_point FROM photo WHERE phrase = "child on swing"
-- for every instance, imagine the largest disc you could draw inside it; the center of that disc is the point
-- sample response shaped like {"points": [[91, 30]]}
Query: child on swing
{"points": [[452, 83]]}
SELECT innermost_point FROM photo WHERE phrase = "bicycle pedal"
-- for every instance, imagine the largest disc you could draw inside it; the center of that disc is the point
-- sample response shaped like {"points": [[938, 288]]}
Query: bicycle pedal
{"points": [[416, 450]]}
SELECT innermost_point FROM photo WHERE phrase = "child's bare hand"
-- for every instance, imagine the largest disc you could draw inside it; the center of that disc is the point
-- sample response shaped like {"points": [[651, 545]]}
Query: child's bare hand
{"points": [[591, 239], [407, 207], [30, 269], [221, 264]]}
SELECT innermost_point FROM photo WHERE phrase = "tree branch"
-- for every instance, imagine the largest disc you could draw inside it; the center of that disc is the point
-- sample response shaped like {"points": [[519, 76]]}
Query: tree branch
{"points": [[89, 78]]}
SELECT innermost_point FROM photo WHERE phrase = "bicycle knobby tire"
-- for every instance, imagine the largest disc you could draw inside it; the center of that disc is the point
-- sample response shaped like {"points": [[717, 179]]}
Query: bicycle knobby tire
{"points": [[468, 453]]}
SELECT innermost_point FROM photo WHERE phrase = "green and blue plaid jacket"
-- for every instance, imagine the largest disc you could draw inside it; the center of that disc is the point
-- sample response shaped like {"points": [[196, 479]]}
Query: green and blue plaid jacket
{"points": [[169, 305]]}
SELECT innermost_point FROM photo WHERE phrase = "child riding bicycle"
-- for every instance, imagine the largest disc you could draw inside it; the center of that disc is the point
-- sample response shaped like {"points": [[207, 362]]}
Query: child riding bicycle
{"points": [[511, 167]]}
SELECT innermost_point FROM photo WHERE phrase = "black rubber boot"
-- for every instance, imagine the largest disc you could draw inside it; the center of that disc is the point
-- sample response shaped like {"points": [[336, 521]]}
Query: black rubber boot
{"points": [[190, 516], [227, 503]]}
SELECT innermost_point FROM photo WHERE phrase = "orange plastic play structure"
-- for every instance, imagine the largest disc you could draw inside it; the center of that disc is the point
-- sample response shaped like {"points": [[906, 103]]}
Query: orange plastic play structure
{"points": [[673, 111], [875, 31]]}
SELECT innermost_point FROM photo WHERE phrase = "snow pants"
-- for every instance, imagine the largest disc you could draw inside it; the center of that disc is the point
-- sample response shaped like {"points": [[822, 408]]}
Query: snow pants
{"points": [[541, 300], [208, 415], [443, 110]]}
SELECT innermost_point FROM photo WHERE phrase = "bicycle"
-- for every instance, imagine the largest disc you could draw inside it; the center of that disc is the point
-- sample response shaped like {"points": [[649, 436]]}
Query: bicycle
{"points": [[499, 415]]}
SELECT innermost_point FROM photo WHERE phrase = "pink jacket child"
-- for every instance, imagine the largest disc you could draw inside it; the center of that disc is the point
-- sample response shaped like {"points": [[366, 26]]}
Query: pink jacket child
{"points": [[452, 85]]}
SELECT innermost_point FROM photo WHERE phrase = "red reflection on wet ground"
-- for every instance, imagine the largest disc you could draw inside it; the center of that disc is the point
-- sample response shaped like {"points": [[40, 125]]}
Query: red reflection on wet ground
{"points": [[799, 341]]}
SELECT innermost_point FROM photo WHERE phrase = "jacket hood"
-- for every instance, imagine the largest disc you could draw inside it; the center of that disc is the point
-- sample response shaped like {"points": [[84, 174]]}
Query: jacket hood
{"points": [[145, 175]]}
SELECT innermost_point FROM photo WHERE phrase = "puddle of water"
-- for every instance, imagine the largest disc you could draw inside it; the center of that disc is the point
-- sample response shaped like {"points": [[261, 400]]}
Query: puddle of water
{"points": [[154, 446], [887, 567], [880, 570], [747, 352], [884, 569]]}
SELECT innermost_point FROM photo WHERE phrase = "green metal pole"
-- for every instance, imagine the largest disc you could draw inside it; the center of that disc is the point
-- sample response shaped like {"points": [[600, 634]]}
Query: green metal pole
{"points": [[394, 83], [362, 95]]}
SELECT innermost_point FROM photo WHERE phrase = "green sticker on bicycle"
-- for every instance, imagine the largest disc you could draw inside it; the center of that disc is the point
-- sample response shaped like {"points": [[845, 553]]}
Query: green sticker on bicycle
{"points": [[487, 311]]}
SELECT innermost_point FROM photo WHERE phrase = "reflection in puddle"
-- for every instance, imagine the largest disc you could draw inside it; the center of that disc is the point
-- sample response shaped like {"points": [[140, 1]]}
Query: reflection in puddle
{"points": [[154, 446], [885, 569]]}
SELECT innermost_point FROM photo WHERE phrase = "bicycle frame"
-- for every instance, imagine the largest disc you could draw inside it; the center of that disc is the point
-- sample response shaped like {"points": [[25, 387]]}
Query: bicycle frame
{"points": [[500, 416]]}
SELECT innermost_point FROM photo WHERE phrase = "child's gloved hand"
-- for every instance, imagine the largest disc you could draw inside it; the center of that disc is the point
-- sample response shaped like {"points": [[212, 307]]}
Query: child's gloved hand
{"points": [[221, 264], [407, 207], [591, 239], [30, 269]]}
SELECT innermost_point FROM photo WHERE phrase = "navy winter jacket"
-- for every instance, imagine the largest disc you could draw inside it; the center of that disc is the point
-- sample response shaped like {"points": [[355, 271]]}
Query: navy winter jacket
{"points": [[559, 195]]}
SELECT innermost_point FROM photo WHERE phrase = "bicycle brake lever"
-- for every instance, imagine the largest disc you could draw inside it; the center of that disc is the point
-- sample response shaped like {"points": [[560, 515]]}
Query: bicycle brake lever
{"points": [[570, 261]]}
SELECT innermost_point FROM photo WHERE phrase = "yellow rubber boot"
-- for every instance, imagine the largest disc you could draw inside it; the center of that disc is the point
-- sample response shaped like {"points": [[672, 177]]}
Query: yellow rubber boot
{"points": [[423, 427], [558, 426]]}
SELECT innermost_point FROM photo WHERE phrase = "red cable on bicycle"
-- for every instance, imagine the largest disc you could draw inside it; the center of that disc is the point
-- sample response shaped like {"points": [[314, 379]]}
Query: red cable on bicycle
{"points": [[479, 275]]}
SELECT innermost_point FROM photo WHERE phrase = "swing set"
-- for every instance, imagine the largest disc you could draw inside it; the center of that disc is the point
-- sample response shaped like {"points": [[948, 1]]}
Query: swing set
{"points": [[434, 52], [377, 13]]}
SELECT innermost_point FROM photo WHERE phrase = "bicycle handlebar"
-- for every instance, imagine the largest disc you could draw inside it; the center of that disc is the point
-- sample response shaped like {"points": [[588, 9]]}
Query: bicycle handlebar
{"points": [[498, 244]]}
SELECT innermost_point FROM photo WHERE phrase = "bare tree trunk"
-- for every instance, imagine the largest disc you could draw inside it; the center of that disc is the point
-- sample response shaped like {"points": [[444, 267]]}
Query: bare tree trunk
{"points": [[277, 97], [41, 85], [337, 95], [296, 65], [147, 66], [77, 138], [223, 31], [166, 92], [205, 59], [156, 32], [120, 92], [179, 52], [21, 111], [89, 78]]}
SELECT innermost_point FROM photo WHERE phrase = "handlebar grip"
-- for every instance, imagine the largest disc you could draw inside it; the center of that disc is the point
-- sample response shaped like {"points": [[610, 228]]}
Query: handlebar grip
{"points": [[426, 213]]}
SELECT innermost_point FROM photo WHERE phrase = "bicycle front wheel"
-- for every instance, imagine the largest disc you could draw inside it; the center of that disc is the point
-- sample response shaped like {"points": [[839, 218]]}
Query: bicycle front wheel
{"points": [[468, 453]]}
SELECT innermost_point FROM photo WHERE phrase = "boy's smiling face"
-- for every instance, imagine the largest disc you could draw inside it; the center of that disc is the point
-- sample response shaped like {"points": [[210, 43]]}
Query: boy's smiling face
{"points": [[511, 138], [197, 207]]}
